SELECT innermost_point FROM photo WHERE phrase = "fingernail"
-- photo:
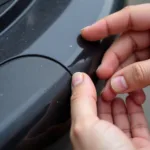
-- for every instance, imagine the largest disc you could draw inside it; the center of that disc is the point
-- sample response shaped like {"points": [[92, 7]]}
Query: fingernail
{"points": [[119, 84], [77, 79]]}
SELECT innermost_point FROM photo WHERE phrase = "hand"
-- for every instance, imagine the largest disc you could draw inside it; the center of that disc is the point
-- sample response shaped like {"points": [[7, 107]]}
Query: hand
{"points": [[127, 62], [92, 126]]}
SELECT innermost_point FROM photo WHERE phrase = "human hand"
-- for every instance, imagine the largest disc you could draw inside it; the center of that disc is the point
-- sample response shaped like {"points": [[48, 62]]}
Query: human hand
{"points": [[126, 65], [92, 125]]}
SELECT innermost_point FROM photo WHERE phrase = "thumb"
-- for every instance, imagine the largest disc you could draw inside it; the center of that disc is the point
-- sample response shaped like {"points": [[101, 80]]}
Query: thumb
{"points": [[83, 110], [83, 100], [131, 78]]}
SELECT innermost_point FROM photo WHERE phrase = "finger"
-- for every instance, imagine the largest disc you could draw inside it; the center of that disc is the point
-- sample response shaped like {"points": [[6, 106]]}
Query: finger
{"points": [[83, 100], [121, 50], [120, 116], [138, 96], [107, 93], [139, 125], [104, 110], [131, 78], [135, 57], [130, 18]]}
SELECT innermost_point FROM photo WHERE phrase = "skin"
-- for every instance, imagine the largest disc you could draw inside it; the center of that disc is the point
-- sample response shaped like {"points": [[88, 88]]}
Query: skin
{"points": [[129, 55], [107, 122], [103, 125]]}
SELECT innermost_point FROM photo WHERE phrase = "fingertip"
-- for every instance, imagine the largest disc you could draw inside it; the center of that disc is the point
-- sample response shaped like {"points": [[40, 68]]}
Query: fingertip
{"points": [[96, 31], [86, 33], [132, 106], [84, 30], [108, 94], [118, 100], [118, 105], [115, 102], [87, 79], [139, 100], [77, 79], [130, 102], [138, 97], [83, 83], [104, 72]]}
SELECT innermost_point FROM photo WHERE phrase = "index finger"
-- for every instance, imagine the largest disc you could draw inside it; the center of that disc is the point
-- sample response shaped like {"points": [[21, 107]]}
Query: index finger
{"points": [[130, 18]]}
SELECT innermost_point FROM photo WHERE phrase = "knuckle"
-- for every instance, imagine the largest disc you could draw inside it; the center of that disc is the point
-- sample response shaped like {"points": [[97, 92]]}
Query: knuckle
{"points": [[139, 126], [133, 41], [128, 10], [75, 96], [78, 129], [138, 73], [79, 95], [126, 131], [108, 29], [83, 126]]}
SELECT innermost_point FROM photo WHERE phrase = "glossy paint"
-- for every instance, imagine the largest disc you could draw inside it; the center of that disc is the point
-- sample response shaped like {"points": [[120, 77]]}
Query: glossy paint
{"points": [[40, 49]]}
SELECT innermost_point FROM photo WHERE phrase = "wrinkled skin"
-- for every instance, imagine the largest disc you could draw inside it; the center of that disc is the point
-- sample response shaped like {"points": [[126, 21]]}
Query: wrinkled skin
{"points": [[102, 125], [107, 123], [129, 57]]}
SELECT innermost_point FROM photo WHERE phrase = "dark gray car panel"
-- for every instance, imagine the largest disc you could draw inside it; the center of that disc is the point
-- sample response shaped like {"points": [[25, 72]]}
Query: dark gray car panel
{"points": [[40, 49]]}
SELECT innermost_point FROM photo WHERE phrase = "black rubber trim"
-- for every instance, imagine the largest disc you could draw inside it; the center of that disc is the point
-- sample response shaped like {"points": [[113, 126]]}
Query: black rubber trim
{"points": [[36, 55]]}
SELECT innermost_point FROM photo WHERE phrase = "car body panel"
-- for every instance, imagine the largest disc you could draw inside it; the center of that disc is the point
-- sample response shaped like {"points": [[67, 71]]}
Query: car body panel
{"points": [[40, 48]]}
